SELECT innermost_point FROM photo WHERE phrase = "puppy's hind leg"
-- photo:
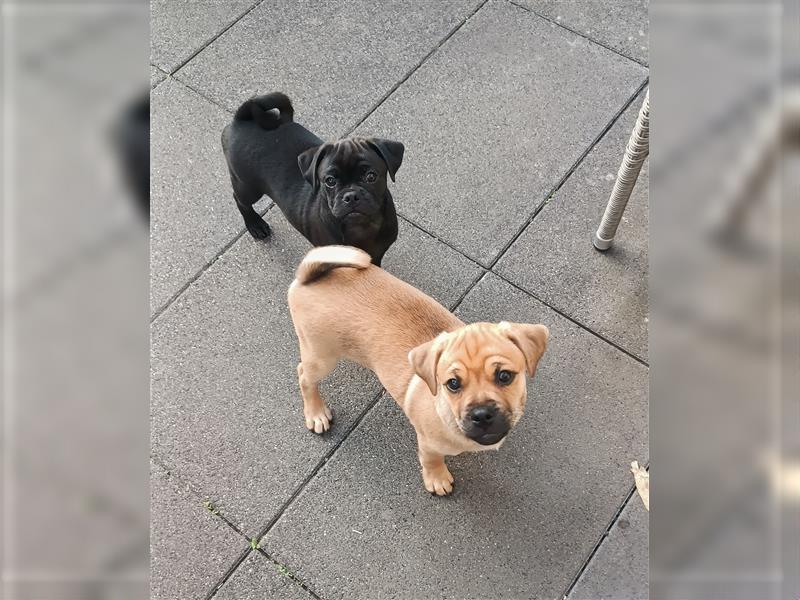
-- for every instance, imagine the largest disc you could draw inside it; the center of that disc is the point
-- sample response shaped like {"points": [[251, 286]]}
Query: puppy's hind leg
{"points": [[245, 199], [311, 370]]}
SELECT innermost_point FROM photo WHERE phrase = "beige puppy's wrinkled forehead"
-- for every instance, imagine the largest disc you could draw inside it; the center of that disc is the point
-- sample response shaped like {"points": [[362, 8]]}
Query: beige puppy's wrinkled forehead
{"points": [[480, 347]]}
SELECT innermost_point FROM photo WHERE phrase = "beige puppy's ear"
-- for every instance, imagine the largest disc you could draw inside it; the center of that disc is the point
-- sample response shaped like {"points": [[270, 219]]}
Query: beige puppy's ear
{"points": [[530, 339], [424, 360]]}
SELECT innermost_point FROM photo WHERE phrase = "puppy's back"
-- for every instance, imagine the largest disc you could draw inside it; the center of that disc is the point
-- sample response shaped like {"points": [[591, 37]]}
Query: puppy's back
{"points": [[339, 299]]}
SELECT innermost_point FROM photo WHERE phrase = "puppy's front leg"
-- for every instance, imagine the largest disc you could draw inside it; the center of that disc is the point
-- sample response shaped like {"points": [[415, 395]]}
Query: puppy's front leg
{"points": [[317, 414], [435, 473]]}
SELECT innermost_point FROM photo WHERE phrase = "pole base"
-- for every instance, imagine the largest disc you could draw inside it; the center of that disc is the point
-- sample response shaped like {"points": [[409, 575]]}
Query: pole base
{"points": [[601, 244]]}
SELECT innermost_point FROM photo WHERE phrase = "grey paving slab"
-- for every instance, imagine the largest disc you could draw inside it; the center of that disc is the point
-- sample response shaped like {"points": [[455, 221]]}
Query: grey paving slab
{"points": [[259, 577], [156, 76], [619, 24], [190, 548], [226, 406], [555, 260], [192, 213], [179, 28], [335, 59], [620, 568], [494, 119], [427, 263], [521, 521]]}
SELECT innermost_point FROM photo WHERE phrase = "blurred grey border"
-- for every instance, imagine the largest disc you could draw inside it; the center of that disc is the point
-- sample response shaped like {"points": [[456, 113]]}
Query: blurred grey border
{"points": [[724, 284], [723, 280], [75, 499]]}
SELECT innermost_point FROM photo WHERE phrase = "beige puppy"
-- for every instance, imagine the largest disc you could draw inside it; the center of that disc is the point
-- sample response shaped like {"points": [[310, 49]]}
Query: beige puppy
{"points": [[462, 386]]}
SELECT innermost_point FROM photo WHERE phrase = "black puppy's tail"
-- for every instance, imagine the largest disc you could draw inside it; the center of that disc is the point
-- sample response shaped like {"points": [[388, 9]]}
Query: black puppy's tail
{"points": [[261, 109]]}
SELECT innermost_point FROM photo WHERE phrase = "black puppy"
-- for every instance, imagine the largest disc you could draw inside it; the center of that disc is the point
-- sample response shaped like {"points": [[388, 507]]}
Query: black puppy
{"points": [[332, 193]]}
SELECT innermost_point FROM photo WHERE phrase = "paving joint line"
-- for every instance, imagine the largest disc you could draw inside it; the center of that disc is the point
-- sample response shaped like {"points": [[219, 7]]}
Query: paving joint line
{"points": [[198, 92], [470, 287], [231, 570], [529, 293], [416, 67], [288, 574], [598, 544], [202, 498], [203, 269], [603, 537], [580, 34], [438, 239], [572, 320], [215, 512], [571, 170], [321, 463], [216, 37]]}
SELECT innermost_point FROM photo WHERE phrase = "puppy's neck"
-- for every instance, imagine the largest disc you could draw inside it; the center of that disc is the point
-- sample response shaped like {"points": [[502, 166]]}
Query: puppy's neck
{"points": [[325, 217]]}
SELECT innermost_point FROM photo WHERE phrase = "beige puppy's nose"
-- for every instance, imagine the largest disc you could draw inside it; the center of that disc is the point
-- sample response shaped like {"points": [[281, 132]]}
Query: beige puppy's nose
{"points": [[483, 416]]}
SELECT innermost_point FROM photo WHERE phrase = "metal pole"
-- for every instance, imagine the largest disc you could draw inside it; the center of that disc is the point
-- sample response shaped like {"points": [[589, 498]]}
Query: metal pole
{"points": [[635, 152]]}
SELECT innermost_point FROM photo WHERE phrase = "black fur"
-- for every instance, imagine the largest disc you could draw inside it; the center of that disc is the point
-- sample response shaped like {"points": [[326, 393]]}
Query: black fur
{"points": [[331, 192]]}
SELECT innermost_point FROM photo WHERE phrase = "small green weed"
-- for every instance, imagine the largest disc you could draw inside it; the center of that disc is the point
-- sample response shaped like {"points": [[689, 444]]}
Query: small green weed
{"points": [[209, 506]]}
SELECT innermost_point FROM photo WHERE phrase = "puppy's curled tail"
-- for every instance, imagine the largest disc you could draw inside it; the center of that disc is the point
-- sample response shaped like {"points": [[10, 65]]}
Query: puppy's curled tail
{"points": [[324, 259], [261, 110]]}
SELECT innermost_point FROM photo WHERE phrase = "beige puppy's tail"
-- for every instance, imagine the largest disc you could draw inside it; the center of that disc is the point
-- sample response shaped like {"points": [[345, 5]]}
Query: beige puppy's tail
{"points": [[324, 259]]}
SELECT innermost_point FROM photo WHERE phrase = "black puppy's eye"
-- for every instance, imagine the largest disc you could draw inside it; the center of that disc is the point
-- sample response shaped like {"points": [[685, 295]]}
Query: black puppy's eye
{"points": [[370, 176], [453, 384], [504, 377], [330, 181]]}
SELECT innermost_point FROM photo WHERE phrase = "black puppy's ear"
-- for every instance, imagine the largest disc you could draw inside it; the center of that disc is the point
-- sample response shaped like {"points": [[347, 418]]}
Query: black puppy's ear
{"points": [[308, 162], [391, 152]]}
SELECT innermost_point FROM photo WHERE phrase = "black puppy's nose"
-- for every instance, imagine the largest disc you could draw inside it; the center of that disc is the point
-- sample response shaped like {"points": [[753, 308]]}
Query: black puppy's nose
{"points": [[349, 197], [483, 416]]}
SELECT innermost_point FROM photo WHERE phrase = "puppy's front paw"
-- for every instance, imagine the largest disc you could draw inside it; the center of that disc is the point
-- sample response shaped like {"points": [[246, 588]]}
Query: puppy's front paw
{"points": [[319, 421], [438, 481], [259, 229]]}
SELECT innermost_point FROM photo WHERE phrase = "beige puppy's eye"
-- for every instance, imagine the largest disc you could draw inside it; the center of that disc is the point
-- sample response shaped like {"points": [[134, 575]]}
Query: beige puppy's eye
{"points": [[504, 377], [453, 384]]}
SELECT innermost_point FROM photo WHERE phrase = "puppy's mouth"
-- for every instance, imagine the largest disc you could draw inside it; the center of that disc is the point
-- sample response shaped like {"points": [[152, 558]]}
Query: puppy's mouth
{"points": [[485, 424], [487, 439], [351, 214], [355, 214]]}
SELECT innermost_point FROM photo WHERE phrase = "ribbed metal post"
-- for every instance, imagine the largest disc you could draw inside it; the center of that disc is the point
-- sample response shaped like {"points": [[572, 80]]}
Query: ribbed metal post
{"points": [[635, 152]]}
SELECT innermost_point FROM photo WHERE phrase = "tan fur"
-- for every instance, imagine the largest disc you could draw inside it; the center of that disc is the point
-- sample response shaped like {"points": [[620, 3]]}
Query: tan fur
{"points": [[414, 345], [321, 260]]}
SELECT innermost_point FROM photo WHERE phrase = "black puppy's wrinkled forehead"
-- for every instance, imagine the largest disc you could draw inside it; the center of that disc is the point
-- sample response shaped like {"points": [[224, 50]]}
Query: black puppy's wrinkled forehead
{"points": [[352, 155], [348, 154]]}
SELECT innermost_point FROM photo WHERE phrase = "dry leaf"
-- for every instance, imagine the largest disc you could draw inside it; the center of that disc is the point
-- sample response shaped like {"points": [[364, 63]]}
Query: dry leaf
{"points": [[642, 478]]}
